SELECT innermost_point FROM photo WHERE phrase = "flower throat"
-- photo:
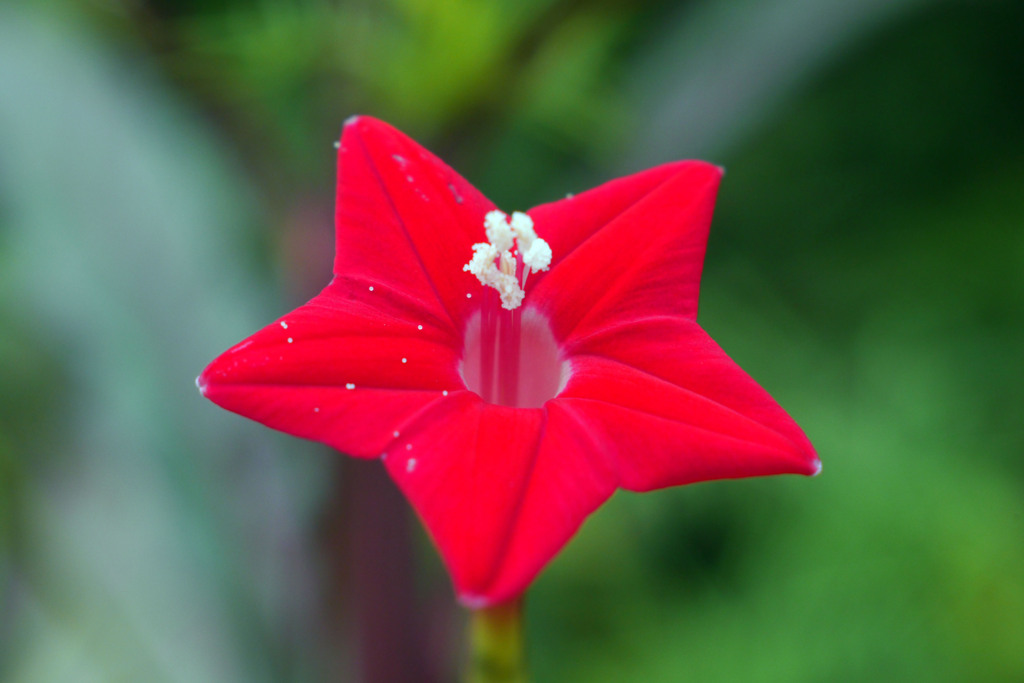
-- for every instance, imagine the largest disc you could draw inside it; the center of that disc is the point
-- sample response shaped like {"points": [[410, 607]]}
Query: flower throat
{"points": [[511, 357]]}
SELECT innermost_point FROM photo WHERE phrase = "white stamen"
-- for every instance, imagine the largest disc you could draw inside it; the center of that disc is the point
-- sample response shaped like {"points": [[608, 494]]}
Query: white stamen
{"points": [[494, 263], [499, 232], [538, 256], [522, 226], [350, 386], [482, 262]]}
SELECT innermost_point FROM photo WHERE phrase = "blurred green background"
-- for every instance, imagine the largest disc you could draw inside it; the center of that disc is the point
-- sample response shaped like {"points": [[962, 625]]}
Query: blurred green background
{"points": [[166, 180]]}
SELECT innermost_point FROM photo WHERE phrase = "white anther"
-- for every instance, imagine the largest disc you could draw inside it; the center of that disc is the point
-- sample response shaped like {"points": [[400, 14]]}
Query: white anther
{"points": [[522, 225], [499, 232], [482, 262], [538, 256]]}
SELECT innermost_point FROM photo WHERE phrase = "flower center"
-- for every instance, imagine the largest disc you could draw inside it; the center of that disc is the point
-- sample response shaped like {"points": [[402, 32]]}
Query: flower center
{"points": [[511, 358]]}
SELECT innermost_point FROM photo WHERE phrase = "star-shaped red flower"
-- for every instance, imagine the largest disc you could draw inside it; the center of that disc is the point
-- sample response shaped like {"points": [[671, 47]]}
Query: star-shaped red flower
{"points": [[600, 379]]}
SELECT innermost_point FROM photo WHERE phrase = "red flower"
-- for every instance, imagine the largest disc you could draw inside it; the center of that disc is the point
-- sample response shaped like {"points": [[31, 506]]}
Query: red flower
{"points": [[600, 379]]}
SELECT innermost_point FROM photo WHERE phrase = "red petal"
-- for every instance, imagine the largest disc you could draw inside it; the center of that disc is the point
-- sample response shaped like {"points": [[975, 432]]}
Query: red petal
{"points": [[500, 489], [676, 409], [341, 338], [405, 220], [629, 248]]}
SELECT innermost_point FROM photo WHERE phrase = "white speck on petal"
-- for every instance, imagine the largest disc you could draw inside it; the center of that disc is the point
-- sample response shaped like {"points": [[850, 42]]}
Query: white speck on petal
{"points": [[409, 178], [290, 340], [337, 144], [284, 325], [395, 433], [371, 288], [468, 295], [411, 465], [444, 393], [408, 446], [400, 159], [317, 409], [419, 327], [351, 120], [350, 386], [405, 360]]}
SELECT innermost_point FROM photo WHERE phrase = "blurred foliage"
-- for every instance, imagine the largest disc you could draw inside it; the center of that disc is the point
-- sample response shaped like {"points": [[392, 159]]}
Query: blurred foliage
{"points": [[165, 186]]}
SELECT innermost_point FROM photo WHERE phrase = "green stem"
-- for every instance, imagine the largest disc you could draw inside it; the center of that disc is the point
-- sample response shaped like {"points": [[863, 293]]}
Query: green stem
{"points": [[496, 644]]}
